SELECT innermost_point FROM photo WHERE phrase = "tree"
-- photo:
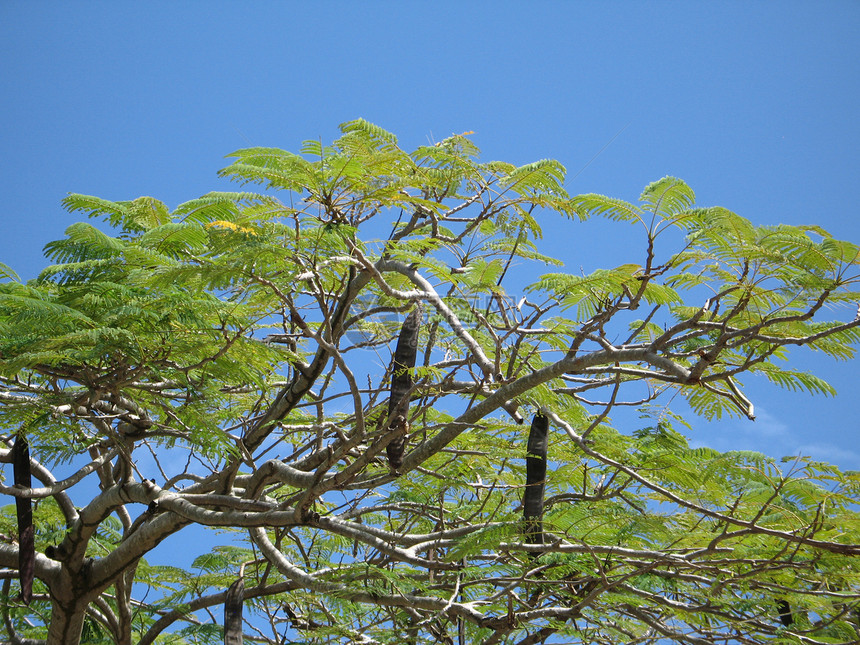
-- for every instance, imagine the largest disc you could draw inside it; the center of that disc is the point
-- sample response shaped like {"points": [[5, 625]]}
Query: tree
{"points": [[227, 368]]}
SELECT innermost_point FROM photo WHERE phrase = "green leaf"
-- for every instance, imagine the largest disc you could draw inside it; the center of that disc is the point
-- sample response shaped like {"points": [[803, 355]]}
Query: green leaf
{"points": [[609, 207], [668, 196]]}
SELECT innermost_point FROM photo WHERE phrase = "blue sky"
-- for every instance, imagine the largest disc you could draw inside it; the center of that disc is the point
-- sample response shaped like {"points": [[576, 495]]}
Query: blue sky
{"points": [[753, 104]]}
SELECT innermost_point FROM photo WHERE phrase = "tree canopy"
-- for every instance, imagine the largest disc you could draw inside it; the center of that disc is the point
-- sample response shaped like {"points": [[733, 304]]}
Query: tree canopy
{"points": [[398, 421]]}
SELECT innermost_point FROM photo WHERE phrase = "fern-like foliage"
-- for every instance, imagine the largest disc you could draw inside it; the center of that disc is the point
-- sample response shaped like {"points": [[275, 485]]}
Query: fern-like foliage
{"points": [[223, 370]]}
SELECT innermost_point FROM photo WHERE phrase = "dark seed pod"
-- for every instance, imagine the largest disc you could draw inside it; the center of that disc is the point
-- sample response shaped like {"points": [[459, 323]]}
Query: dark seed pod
{"points": [[233, 631], [396, 448], [784, 611], [24, 508], [401, 383], [535, 479]]}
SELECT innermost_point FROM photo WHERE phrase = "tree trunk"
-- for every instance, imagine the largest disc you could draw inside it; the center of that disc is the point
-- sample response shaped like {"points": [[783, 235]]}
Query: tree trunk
{"points": [[123, 588], [71, 594], [67, 622]]}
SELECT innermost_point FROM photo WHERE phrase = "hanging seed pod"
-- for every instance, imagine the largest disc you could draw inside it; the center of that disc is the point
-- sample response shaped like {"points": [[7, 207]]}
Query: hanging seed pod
{"points": [[784, 611], [535, 479], [233, 632], [401, 383], [24, 508]]}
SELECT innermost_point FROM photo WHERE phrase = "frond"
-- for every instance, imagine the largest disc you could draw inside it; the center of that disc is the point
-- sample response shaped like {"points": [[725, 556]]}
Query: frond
{"points": [[544, 176], [380, 136], [174, 237], [84, 242], [460, 144], [525, 249], [668, 196], [589, 292], [77, 271], [7, 273], [839, 345], [218, 206], [114, 212], [137, 215], [795, 247], [272, 167], [660, 294], [844, 251], [687, 219], [35, 308], [609, 207], [454, 152], [710, 405], [145, 213], [794, 380], [482, 275], [500, 168], [718, 224]]}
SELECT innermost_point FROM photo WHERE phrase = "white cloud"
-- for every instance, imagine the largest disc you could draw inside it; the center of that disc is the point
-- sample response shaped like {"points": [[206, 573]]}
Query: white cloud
{"points": [[846, 459], [772, 436]]}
